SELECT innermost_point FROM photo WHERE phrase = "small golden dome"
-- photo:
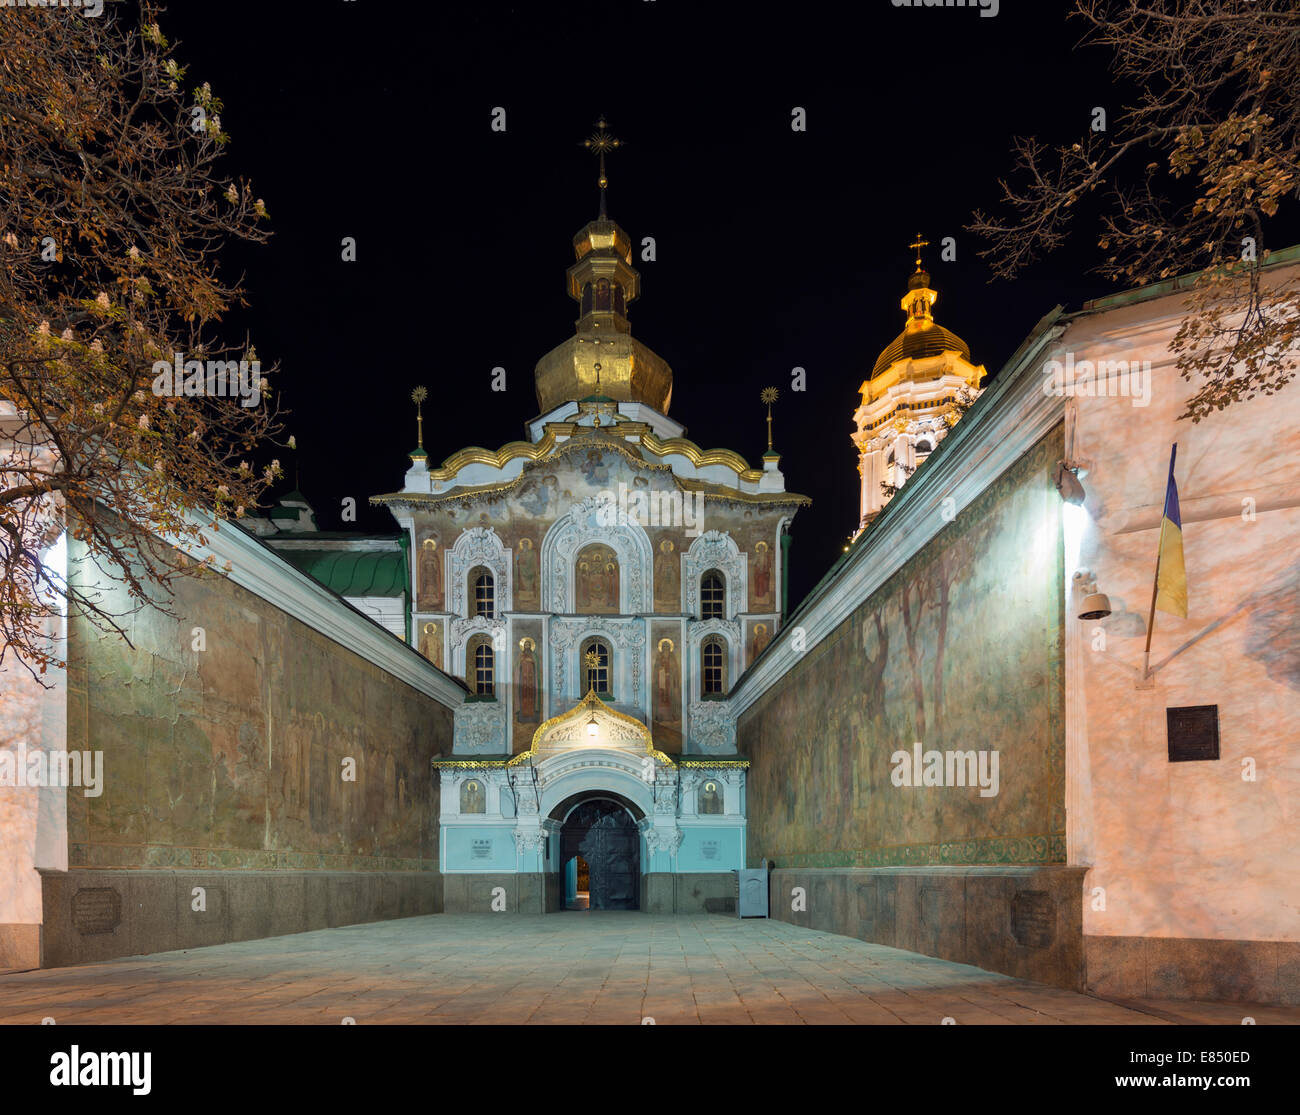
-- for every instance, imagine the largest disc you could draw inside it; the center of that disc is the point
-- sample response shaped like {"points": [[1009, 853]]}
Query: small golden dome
{"points": [[933, 341], [921, 337]]}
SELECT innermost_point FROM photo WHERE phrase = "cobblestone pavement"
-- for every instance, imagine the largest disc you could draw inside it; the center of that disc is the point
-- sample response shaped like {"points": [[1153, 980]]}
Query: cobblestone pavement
{"points": [[596, 967]]}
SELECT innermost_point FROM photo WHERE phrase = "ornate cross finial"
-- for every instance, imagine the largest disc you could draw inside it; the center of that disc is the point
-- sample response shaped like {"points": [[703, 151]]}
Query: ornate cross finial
{"points": [[417, 397], [916, 245], [769, 395], [602, 143]]}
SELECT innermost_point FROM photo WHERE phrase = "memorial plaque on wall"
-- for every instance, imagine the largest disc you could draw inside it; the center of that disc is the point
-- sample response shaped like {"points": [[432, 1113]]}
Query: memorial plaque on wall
{"points": [[1033, 918], [709, 849], [1193, 733], [481, 849], [96, 910]]}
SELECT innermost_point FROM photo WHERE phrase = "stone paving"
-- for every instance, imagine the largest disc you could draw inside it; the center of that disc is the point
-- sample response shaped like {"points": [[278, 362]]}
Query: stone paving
{"points": [[592, 967]]}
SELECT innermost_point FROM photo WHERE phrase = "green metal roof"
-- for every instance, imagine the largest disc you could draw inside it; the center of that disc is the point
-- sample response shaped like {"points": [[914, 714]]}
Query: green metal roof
{"points": [[353, 573]]}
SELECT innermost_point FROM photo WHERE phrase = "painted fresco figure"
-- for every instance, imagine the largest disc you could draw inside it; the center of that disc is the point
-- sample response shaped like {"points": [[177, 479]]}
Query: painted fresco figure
{"points": [[597, 581], [430, 573], [762, 571], [760, 640], [526, 680], [668, 684], [526, 569], [710, 798], [665, 576], [472, 798], [431, 644]]}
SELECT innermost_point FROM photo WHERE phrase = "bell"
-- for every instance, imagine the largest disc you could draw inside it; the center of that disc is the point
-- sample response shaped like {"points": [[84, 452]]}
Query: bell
{"points": [[1095, 606]]}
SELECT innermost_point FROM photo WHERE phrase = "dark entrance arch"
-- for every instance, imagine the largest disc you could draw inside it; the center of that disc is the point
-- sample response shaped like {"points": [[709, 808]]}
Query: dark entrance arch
{"points": [[602, 832]]}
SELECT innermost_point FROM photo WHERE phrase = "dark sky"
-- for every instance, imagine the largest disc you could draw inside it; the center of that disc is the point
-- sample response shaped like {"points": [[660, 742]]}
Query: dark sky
{"points": [[775, 248]]}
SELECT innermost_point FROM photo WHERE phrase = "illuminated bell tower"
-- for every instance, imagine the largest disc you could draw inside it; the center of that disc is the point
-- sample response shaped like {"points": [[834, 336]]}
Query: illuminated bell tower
{"points": [[919, 388]]}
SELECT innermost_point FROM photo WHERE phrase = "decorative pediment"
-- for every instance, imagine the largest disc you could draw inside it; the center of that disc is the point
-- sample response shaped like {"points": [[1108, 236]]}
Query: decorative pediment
{"points": [[591, 725]]}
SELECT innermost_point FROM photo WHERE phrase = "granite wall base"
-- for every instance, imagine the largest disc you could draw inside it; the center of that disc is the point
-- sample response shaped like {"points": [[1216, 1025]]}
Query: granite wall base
{"points": [[94, 915], [1022, 921], [1192, 968]]}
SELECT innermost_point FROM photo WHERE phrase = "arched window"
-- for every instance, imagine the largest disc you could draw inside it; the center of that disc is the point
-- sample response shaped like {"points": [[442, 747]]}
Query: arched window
{"points": [[596, 662], [714, 657], [482, 592], [713, 595], [710, 798], [586, 298], [484, 675], [923, 446], [472, 797]]}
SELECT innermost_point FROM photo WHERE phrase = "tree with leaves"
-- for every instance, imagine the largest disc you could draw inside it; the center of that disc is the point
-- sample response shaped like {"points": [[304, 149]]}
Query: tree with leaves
{"points": [[1195, 172], [113, 212]]}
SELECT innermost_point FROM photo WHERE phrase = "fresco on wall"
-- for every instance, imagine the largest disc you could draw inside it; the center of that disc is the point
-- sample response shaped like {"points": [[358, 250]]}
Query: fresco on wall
{"points": [[666, 682], [960, 650], [667, 567], [209, 767], [430, 575], [760, 634], [760, 574], [597, 580], [526, 683], [526, 574], [431, 643]]}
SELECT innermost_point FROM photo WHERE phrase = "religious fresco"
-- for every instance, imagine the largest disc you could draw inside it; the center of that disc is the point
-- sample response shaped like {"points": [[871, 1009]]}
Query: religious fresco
{"points": [[667, 573], [666, 689], [526, 683], [760, 574], [251, 774], [960, 650], [597, 580], [429, 566], [431, 642], [760, 634], [526, 568]]}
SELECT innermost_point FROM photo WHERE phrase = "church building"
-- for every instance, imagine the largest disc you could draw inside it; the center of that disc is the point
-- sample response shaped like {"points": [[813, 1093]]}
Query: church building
{"points": [[599, 587]]}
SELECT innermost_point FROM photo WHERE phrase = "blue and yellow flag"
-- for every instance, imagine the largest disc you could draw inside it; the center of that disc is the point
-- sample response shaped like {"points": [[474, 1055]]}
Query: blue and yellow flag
{"points": [[1171, 574]]}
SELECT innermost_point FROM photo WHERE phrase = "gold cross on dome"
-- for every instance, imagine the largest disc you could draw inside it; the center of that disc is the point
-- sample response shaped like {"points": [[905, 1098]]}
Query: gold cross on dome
{"points": [[601, 143], [916, 245]]}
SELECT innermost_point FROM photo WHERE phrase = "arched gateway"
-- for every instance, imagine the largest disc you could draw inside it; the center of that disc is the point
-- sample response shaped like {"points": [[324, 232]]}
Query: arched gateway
{"points": [[592, 798]]}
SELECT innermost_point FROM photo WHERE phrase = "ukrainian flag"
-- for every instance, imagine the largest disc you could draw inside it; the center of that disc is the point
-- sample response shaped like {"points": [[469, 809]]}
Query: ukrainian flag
{"points": [[1171, 574]]}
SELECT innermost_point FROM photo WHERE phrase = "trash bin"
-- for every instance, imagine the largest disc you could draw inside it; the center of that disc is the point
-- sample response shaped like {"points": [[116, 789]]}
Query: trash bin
{"points": [[752, 900]]}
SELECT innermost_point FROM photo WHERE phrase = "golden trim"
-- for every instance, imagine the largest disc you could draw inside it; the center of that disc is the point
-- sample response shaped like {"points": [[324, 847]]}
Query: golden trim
{"points": [[583, 439], [590, 704], [471, 764], [716, 764]]}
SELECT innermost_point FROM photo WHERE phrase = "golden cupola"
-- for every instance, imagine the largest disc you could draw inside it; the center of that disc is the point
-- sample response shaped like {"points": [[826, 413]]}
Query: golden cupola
{"points": [[603, 357], [921, 336]]}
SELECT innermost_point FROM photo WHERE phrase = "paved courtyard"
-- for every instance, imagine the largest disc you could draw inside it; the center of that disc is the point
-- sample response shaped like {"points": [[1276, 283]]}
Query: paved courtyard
{"points": [[592, 967]]}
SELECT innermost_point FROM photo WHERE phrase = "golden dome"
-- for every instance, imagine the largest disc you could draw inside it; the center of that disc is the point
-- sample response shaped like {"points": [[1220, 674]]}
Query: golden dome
{"points": [[921, 337], [629, 372], [603, 281]]}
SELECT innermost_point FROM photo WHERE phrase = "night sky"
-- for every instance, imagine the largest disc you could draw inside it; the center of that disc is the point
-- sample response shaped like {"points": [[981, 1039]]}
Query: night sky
{"points": [[775, 249]]}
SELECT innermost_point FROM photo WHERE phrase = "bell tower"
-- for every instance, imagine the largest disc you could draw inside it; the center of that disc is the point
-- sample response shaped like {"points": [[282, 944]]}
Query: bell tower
{"points": [[919, 388]]}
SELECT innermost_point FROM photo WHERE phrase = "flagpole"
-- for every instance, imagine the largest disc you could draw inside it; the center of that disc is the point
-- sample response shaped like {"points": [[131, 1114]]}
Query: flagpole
{"points": [[1155, 587]]}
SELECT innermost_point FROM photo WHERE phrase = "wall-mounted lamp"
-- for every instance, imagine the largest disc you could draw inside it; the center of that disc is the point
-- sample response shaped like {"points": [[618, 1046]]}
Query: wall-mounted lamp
{"points": [[1096, 605], [1067, 484], [593, 729]]}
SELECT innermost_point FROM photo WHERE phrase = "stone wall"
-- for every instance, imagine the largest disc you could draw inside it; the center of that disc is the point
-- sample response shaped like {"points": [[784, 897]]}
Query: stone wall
{"points": [[249, 756], [960, 650]]}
